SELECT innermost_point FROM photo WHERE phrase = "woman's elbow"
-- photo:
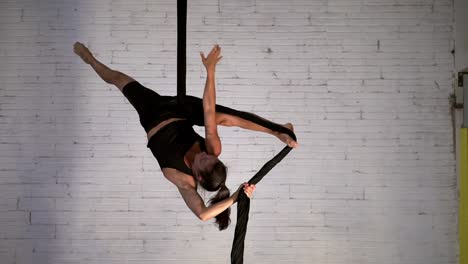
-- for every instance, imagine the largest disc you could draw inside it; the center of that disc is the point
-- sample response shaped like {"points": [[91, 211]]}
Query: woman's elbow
{"points": [[203, 217], [202, 214]]}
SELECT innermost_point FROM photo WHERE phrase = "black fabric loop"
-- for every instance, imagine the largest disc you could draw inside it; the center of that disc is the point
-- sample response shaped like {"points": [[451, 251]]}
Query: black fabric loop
{"points": [[194, 106]]}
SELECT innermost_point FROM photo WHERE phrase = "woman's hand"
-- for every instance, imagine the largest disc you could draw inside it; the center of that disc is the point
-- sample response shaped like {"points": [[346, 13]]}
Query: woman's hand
{"points": [[247, 188], [212, 59]]}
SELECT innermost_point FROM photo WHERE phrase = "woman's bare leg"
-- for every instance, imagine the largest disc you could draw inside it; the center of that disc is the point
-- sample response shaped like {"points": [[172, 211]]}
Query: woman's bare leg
{"points": [[110, 76], [231, 120]]}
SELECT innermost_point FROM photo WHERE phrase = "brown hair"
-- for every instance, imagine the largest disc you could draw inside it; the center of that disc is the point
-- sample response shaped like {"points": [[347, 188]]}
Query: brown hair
{"points": [[214, 180]]}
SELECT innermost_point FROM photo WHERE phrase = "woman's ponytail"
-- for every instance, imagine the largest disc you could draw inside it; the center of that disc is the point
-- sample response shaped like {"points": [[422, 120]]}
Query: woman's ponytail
{"points": [[214, 180], [222, 220]]}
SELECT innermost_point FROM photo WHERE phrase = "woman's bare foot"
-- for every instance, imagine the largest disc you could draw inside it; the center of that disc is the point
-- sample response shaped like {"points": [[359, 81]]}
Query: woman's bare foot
{"points": [[82, 51], [286, 138]]}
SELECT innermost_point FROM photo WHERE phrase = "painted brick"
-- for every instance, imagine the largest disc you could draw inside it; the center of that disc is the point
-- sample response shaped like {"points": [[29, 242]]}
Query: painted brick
{"points": [[366, 84]]}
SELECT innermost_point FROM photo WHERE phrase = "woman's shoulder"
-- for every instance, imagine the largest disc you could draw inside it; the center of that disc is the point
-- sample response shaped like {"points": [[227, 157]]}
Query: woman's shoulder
{"points": [[179, 179]]}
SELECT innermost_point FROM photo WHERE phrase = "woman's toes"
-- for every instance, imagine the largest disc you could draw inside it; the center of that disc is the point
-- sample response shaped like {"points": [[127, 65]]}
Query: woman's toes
{"points": [[286, 138]]}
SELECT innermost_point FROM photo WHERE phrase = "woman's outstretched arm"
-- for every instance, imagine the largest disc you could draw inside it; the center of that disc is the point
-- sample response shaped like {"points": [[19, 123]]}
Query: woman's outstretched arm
{"points": [[213, 118], [196, 204], [213, 143]]}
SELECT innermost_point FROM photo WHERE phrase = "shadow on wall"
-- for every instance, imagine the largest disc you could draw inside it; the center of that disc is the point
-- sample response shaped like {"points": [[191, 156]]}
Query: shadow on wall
{"points": [[39, 142]]}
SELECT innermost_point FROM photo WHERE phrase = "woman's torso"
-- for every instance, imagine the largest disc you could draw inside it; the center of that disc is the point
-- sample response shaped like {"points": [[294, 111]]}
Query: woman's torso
{"points": [[171, 141], [175, 176], [161, 125]]}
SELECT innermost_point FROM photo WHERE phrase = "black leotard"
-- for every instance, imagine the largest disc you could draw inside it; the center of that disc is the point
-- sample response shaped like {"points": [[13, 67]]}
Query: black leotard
{"points": [[170, 144]]}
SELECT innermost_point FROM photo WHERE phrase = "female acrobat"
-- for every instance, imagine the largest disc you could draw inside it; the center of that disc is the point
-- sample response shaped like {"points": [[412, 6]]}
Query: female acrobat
{"points": [[186, 159]]}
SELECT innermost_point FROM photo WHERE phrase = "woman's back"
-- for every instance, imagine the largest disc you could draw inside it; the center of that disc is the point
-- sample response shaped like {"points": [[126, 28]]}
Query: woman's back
{"points": [[171, 143]]}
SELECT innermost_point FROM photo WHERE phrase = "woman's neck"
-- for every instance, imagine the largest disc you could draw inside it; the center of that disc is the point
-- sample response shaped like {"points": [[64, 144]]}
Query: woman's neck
{"points": [[190, 155]]}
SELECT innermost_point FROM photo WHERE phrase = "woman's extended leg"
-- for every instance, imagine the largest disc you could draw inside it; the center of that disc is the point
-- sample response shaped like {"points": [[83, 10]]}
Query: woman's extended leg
{"points": [[225, 116], [232, 120], [110, 76]]}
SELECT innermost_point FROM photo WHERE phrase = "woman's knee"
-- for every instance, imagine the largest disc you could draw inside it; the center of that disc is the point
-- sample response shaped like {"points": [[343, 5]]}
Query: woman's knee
{"points": [[121, 79], [225, 119]]}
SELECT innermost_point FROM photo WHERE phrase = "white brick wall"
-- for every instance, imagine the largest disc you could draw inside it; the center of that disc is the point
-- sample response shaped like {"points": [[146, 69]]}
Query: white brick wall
{"points": [[366, 83]]}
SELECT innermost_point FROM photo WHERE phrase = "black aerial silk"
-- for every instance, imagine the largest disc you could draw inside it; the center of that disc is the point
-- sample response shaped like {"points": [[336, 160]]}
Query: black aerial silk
{"points": [[194, 105]]}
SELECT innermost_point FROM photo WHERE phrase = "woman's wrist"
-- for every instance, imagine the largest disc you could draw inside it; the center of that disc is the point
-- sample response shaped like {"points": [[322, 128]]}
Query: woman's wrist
{"points": [[210, 75], [234, 197], [210, 70]]}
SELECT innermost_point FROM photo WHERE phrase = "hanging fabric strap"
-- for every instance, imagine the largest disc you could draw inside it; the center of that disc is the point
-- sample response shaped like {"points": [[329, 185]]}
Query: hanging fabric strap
{"points": [[193, 106], [181, 49], [243, 202], [243, 208]]}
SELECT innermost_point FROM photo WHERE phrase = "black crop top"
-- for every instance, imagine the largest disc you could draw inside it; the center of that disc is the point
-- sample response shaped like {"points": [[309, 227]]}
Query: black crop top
{"points": [[170, 144]]}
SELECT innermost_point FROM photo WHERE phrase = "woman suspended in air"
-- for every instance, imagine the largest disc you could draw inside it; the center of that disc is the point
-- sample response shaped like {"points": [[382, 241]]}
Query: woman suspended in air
{"points": [[186, 159]]}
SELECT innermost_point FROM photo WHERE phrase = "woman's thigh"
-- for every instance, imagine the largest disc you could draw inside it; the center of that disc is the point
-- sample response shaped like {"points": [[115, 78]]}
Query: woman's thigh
{"points": [[139, 96], [148, 104]]}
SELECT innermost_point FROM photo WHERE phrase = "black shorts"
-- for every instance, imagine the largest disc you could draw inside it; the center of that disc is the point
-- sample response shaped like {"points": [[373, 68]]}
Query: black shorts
{"points": [[154, 108]]}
